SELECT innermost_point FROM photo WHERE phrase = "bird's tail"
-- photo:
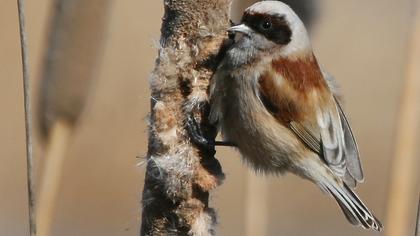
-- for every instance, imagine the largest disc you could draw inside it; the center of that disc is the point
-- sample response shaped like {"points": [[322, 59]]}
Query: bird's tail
{"points": [[353, 208]]}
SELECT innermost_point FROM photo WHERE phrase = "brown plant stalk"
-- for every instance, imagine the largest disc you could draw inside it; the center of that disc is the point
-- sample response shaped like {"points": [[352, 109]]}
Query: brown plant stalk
{"points": [[28, 117], [75, 46], [179, 176], [417, 233], [405, 173]]}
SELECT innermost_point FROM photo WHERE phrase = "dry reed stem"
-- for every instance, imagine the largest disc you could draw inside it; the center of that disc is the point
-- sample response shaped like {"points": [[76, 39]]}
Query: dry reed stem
{"points": [[75, 46], [179, 176], [417, 233], [28, 117], [257, 205], [76, 38], [50, 186], [404, 173]]}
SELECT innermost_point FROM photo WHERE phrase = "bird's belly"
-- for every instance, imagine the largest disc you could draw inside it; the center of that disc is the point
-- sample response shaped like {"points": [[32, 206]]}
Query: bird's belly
{"points": [[264, 143]]}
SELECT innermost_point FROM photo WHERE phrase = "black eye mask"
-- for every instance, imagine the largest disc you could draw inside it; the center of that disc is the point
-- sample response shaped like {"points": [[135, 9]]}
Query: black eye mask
{"points": [[274, 28]]}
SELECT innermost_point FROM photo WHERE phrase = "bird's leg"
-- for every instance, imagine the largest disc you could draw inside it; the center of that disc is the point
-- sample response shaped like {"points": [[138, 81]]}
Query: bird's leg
{"points": [[198, 138]]}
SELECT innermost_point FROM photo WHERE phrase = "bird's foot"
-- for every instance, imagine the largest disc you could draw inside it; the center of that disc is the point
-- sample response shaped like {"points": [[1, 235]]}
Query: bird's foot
{"points": [[198, 138]]}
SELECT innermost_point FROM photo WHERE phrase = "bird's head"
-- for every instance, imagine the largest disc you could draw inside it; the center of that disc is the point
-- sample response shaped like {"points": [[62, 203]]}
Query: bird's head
{"points": [[270, 27]]}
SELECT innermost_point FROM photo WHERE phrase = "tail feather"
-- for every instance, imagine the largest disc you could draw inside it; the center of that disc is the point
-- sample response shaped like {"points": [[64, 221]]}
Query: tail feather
{"points": [[351, 217], [353, 208]]}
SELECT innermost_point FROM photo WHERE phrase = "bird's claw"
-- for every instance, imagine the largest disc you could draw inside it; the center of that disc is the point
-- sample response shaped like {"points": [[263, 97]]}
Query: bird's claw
{"points": [[198, 138]]}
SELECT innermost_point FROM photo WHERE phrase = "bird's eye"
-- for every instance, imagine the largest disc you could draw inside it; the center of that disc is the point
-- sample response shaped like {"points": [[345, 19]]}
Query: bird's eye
{"points": [[265, 25]]}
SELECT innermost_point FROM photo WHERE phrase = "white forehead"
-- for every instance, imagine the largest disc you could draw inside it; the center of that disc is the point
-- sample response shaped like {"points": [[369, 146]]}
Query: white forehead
{"points": [[275, 8]]}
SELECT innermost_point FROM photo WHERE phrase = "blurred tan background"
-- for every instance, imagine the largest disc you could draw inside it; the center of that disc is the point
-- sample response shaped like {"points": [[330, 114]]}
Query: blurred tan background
{"points": [[362, 43]]}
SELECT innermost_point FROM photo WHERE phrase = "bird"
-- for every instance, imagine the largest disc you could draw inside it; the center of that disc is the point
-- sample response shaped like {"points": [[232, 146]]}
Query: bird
{"points": [[270, 98]]}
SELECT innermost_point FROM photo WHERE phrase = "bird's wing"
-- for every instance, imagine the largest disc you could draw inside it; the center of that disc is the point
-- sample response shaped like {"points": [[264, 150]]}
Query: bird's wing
{"points": [[333, 140], [351, 151], [311, 141], [328, 133]]}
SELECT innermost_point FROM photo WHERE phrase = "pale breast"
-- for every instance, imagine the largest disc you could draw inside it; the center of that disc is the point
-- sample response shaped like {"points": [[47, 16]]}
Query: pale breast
{"points": [[264, 142]]}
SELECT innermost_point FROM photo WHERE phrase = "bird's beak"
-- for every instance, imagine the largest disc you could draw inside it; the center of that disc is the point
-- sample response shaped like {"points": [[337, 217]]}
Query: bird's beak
{"points": [[242, 28]]}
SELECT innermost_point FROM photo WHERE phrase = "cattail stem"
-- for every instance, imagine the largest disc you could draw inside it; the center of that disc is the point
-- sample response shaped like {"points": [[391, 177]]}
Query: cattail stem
{"points": [[75, 46], [28, 117], [417, 233], [179, 176], [257, 205], [51, 178], [404, 173]]}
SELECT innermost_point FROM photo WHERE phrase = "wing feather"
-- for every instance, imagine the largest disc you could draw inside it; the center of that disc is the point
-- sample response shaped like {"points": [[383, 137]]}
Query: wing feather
{"points": [[306, 136], [354, 165], [332, 139], [329, 135]]}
